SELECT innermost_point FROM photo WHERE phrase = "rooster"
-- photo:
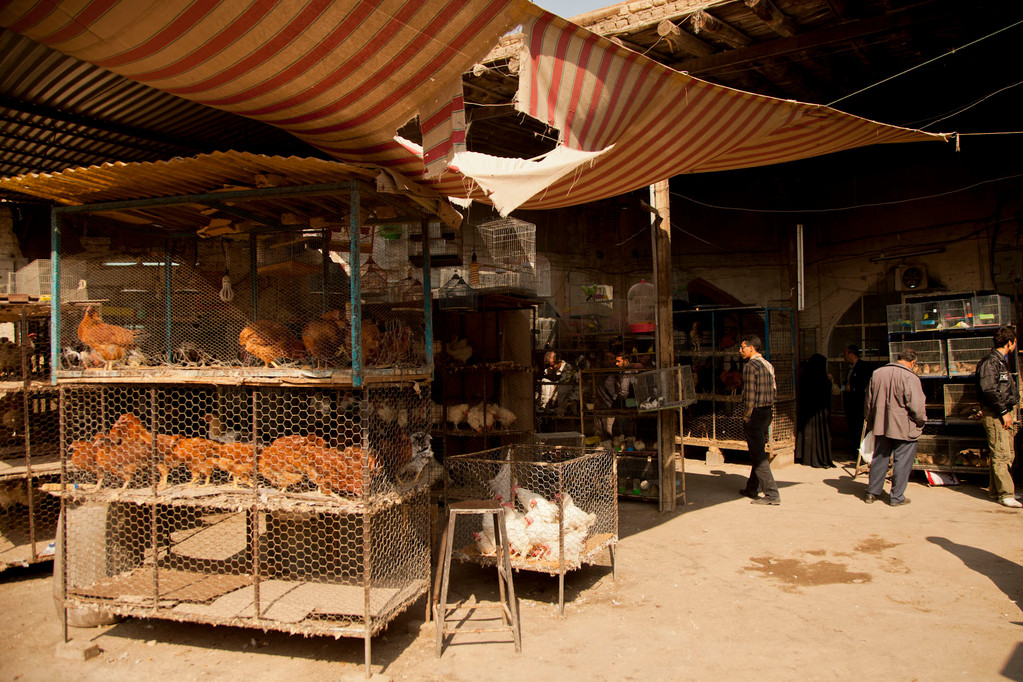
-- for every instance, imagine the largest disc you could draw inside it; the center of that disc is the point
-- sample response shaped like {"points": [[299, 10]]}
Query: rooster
{"points": [[84, 455], [110, 342], [325, 337], [270, 341], [459, 349]]}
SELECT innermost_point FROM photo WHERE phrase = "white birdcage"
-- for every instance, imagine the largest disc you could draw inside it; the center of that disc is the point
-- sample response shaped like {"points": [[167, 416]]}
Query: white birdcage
{"points": [[505, 254], [642, 300]]}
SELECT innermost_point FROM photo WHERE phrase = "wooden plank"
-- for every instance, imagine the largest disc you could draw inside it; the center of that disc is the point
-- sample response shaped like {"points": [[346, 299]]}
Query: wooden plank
{"points": [[703, 23], [667, 420], [773, 17]]}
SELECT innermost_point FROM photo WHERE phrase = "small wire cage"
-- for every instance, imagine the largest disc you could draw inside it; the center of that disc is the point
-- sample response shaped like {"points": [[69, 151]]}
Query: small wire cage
{"points": [[561, 504], [664, 389], [962, 404], [964, 354], [956, 314], [456, 294], [991, 311], [505, 254], [930, 356], [900, 317], [642, 298]]}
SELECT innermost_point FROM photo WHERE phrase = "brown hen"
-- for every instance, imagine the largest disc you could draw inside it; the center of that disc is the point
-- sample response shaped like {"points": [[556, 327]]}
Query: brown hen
{"points": [[286, 462], [269, 341], [199, 455], [239, 460], [84, 454], [325, 338], [108, 341], [341, 471]]}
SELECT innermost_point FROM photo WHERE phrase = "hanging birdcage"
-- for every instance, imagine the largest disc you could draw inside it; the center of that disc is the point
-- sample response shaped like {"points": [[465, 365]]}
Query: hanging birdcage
{"points": [[457, 295], [373, 279], [504, 254], [642, 307], [290, 257]]}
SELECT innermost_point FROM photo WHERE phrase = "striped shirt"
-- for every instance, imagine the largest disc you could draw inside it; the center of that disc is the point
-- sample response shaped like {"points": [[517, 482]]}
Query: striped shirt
{"points": [[759, 387]]}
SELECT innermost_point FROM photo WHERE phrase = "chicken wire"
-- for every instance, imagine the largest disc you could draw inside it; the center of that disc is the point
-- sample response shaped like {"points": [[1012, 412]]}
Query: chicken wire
{"points": [[296, 509], [561, 504], [29, 463], [278, 303]]}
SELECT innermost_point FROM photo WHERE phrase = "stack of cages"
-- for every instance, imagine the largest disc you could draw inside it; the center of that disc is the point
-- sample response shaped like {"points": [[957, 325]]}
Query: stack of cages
{"points": [[961, 404], [245, 412], [561, 505], [295, 509], [29, 443], [709, 344], [505, 252]]}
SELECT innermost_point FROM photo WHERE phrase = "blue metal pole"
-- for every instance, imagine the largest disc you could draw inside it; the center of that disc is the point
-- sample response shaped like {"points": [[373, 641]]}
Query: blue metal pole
{"points": [[55, 345], [356, 287], [427, 294]]}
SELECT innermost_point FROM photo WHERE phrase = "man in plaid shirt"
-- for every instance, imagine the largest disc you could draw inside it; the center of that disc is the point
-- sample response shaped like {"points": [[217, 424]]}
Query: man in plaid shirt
{"points": [[759, 389]]}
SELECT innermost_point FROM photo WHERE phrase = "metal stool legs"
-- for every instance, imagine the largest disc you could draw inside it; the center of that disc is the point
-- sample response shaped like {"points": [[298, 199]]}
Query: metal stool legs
{"points": [[488, 509]]}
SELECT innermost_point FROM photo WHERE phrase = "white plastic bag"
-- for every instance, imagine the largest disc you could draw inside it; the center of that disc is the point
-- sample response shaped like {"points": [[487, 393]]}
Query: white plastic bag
{"points": [[867, 447]]}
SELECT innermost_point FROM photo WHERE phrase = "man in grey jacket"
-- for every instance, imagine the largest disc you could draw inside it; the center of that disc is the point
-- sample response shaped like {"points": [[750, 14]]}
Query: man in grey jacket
{"points": [[895, 414]]}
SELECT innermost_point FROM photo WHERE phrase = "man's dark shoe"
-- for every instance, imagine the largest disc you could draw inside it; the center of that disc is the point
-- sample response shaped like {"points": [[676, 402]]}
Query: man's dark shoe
{"points": [[869, 499], [905, 500], [766, 500], [748, 494]]}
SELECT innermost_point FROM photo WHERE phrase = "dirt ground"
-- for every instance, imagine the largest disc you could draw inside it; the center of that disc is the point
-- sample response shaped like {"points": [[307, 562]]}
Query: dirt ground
{"points": [[823, 587]]}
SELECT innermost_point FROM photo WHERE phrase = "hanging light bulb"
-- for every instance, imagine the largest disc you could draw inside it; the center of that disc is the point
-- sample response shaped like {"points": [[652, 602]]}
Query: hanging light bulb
{"points": [[474, 271]]}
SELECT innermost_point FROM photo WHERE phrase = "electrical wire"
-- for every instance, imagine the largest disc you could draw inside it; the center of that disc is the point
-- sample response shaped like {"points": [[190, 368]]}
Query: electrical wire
{"points": [[929, 61], [846, 208], [971, 105]]}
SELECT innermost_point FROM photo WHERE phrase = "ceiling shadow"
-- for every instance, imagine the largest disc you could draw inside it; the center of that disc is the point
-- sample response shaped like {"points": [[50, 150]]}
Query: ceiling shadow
{"points": [[1006, 575]]}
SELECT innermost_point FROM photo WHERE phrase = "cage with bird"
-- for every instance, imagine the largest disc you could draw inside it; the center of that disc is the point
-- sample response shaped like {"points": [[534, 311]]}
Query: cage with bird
{"points": [[504, 252], [561, 505]]}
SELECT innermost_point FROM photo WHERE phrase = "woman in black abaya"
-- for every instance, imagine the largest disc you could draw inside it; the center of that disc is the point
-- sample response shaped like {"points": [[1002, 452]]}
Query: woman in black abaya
{"points": [[813, 434]]}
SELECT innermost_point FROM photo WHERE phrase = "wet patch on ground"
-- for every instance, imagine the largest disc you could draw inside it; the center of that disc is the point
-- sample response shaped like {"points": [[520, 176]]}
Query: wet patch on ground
{"points": [[874, 545], [795, 573]]}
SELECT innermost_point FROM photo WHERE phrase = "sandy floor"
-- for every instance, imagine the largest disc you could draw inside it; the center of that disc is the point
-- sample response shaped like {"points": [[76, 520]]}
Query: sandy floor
{"points": [[822, 587]]}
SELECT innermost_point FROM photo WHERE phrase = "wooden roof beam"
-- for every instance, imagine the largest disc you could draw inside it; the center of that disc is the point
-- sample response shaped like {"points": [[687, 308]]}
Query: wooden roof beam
{"points": [[681, 41], [851, 30], [707, 24], [773, 17]]}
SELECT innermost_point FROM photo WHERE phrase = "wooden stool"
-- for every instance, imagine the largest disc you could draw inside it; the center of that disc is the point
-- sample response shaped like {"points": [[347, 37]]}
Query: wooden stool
{"points": [[488, 509]]}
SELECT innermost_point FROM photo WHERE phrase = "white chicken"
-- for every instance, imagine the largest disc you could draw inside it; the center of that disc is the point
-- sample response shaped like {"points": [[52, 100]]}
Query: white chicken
{"points": [[572, 516], [486, 539], [536, 505], [505, 416], [459, 349], [501, 483], [544, 537], [219, 433], [518, 541], [481, 417], [457, 414]]}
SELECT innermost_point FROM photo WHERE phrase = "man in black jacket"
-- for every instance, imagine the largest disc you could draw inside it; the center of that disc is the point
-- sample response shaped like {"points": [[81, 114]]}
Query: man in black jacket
{"points": [[998, 396], [854, 391]]}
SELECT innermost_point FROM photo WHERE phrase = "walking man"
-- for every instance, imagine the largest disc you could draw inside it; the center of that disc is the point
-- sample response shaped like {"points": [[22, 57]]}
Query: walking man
{"points": [[759, 390], [895, 410], [998, 397]]}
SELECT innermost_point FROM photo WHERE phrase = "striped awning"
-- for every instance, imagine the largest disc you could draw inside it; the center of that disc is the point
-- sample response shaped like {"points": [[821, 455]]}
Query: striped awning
{"points": [[345, 75]]}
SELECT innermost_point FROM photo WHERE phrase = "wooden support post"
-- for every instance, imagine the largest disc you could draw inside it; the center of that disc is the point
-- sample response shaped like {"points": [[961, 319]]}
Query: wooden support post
{"points": [[667, 420]]}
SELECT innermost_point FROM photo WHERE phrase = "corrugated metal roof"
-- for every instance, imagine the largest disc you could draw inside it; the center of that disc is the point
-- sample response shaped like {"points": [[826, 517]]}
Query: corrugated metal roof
{"points": [[222, 172], [58, 112]]}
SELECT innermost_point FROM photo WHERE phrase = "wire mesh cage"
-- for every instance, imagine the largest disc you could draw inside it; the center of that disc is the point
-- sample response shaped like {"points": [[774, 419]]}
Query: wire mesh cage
{"points": [[965, 353], [900, 317], [962, 404], [991, 311], [456, 294], [560, 503], [294, 294], [961, 454], [296, 509], [927, 316], [930, 356], [956, 314], [663, 389], [504, 253], [29, 463]]}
